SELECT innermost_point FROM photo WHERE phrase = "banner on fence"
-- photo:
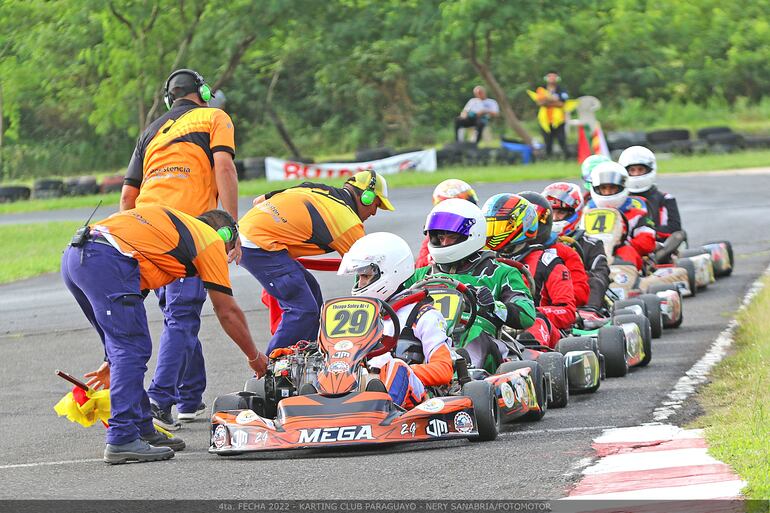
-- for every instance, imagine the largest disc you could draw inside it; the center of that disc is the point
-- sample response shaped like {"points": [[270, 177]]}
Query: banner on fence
{"points": [[279, 169]]}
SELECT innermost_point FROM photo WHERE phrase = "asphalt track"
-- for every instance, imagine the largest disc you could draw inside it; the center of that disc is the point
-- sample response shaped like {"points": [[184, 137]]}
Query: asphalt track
{"points": [[41, 329]]}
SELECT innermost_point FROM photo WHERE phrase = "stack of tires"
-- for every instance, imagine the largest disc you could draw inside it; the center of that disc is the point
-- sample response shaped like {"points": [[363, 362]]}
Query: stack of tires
{"points": [[10, 193], [48, 188]]}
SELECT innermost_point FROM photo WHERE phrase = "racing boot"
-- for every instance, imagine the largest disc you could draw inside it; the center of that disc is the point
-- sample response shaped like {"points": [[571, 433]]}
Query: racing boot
{"points": [[138, 450], [161, 439]]}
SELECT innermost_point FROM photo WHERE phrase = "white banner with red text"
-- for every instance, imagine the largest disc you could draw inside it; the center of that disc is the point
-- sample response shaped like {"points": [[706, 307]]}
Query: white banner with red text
{"points": [[279, 169]]}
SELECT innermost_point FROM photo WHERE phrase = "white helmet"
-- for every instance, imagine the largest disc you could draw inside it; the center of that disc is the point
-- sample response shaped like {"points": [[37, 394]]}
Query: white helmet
{"points": [[639, 156], [456, 216], [609, 173], [386, 254]]}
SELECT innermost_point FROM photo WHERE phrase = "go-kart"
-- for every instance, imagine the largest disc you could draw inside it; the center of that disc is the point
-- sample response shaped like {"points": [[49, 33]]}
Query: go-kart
{"points": [[669, 283], [709, 261], [321, 394], [457, 303]]}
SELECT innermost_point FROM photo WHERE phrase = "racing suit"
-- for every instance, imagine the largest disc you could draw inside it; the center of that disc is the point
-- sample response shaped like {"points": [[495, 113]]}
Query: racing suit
{"points": [[663, 211], [406, 383], [640, 240], [577, 270], [513, 305], [423, 257], [554, 295], [596, 265]]}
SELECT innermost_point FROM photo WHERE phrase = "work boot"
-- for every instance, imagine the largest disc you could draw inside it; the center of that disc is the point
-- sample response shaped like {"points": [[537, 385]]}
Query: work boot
{"points": [[190, 416], [138, 450], [158, 439], [163, 418]]}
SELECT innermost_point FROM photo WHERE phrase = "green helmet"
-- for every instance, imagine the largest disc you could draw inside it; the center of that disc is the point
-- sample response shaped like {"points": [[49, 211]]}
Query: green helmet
{"points": [[588, 165]]}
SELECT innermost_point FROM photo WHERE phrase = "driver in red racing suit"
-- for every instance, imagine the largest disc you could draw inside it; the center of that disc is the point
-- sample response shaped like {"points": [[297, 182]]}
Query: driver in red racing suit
{"points": [[609, 190], [554, 296]]}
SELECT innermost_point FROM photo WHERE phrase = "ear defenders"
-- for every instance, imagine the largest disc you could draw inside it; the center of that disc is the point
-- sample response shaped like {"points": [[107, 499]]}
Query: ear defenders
{"points": [[228, 233], [558, 77], [368, 196], [203, 89]]}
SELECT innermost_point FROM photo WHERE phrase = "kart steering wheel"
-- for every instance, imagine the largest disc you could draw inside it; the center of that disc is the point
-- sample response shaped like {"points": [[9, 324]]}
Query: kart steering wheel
{"points": [[388, 342], [470, 298]]}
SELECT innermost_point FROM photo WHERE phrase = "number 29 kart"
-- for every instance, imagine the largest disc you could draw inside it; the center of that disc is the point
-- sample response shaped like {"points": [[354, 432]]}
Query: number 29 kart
{"points": [[322, 396]]}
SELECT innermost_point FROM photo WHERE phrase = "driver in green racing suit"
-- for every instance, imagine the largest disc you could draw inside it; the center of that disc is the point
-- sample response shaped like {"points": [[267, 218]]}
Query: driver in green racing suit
{"points": [[457, 234]]}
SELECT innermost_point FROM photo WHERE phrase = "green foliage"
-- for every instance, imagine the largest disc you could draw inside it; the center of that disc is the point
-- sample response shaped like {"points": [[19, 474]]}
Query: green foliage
{"points": [[85, 76], [41, 245]]}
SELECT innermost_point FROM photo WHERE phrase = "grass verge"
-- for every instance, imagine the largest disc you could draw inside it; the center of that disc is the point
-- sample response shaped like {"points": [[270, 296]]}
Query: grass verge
{"points": [[538, 171], [737, 401], [22, 254]]}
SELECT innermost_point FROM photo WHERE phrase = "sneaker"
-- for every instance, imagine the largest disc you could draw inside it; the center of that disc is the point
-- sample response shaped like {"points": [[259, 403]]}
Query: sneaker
{"points": [[158, 439], [138, 450], [190, 416], [163, 418]]}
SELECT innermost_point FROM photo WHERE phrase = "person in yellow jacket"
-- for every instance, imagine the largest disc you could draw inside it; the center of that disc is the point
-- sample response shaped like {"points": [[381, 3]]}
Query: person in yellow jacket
{"points": [[551, 115]]}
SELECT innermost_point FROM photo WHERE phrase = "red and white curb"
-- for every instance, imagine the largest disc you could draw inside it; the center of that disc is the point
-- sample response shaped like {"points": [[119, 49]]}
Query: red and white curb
{"points": [[662, 462], [656, 462]]}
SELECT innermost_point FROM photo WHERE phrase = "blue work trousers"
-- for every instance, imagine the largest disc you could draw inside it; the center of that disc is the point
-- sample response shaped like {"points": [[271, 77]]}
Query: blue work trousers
{"points": [[296, 290], [180, 374], [105, 284]]}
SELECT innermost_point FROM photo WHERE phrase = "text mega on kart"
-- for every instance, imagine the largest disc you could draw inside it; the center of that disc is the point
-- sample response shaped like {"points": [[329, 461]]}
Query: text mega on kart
{"points": [[321, 395]]}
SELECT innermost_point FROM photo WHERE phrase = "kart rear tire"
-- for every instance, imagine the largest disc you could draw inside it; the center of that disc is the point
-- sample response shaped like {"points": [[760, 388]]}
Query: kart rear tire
{"points": [[485, 409], [538, 377], [625, 303], [654, 314], [612, 344], [553, 363], [661, 287], [568, 344], [256, 388], [644, 329], [686, 264], [729, 255], [229, 402]]}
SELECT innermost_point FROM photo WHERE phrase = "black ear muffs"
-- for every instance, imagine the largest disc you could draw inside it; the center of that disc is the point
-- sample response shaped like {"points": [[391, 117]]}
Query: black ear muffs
{"points": [[202, 88]]}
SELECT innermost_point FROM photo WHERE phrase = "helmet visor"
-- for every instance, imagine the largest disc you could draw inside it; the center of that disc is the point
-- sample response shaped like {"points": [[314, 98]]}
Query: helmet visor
{"points": [[449, 222], [608, 177]]}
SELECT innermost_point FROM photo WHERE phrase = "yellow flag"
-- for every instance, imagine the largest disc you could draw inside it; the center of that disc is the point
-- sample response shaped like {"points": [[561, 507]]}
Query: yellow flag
{"points": [[96, 408]]}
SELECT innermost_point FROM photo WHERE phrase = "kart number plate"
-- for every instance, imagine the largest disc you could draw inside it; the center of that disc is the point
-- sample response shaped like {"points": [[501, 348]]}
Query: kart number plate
{"points": [[349, 318], [599, 221], [447, 303]]}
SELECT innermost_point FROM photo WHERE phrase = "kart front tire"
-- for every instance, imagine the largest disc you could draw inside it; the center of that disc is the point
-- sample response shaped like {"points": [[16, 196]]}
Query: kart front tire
{"points": [[485, 409], [612, 344], [654, 314], [553, 363], [687, 265], [729, 255], [644, 329]]}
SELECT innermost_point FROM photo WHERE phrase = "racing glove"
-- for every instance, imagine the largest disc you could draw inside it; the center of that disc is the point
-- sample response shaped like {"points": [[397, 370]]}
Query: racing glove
{"points": [[494, 311]]}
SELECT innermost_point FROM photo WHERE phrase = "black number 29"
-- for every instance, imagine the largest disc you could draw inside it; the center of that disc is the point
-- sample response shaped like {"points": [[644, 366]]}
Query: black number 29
{"points": [[354, 324]]}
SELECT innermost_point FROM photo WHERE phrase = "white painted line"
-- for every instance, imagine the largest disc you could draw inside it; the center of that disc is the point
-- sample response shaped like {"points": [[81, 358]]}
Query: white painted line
{"points": [[634, 461], [698, 373], [647, 433], [555, 430], [49, 463], [692, 492]]}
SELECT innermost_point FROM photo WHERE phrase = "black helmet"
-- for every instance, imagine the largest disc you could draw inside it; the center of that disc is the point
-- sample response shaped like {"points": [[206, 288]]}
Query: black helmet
{"points": [[544, 215]]}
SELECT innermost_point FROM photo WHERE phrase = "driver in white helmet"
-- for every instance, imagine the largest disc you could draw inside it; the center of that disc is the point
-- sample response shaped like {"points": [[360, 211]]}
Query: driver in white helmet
{"points": [[609, 189], [381, 263], [642, 167]]}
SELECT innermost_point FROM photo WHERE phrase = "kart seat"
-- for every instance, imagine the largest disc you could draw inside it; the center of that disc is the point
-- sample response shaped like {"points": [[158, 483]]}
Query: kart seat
{"points": [[376, 385]]}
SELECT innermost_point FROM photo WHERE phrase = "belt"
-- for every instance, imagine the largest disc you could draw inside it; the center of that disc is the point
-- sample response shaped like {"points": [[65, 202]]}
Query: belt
{"points": [[98, 238]]}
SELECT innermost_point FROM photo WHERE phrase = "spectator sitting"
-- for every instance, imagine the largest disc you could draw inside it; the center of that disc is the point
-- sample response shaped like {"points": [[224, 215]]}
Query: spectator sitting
{"points": [[476, 113]]}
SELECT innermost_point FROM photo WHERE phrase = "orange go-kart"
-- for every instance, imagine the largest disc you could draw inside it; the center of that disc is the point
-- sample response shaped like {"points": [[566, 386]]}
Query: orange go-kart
{"points": [[321, 395]]}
